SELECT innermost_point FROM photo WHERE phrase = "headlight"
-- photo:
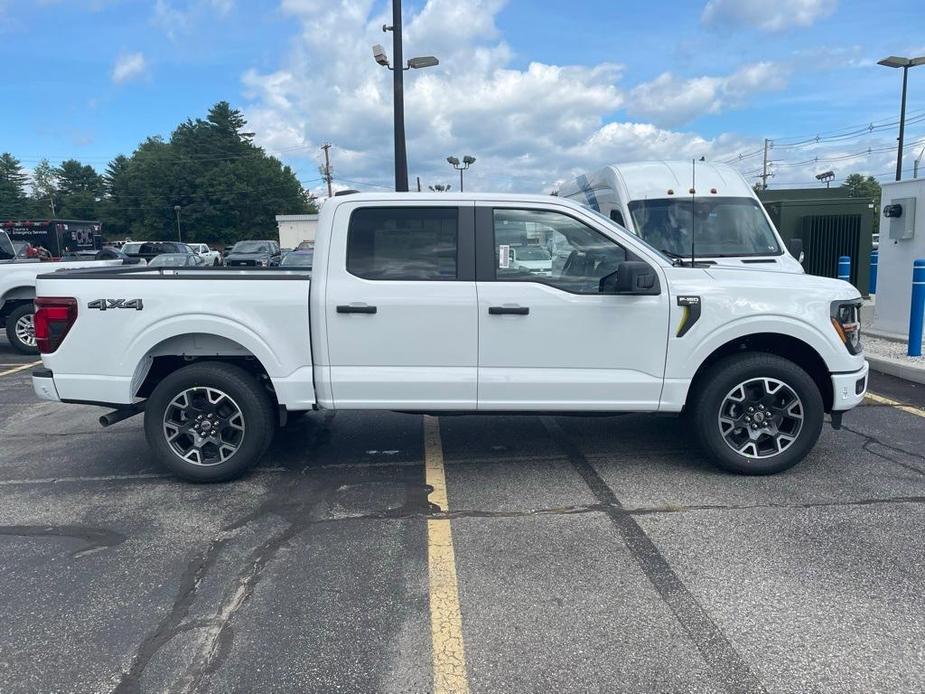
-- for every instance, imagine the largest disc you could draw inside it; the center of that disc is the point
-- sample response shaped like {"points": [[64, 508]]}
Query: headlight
{"points": [[846, 319], [263, 262]]}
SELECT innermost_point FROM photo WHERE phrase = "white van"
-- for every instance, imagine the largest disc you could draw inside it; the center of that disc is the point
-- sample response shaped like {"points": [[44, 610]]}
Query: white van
{"points": [[655, 199]]}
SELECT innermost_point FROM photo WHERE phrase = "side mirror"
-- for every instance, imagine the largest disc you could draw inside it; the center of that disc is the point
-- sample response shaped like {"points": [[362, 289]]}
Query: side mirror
{"points": [[632, 277], [795, 246]]}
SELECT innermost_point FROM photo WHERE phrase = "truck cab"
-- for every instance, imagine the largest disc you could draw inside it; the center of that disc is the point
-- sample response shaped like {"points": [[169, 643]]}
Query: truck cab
{"points": [[686, 209]]}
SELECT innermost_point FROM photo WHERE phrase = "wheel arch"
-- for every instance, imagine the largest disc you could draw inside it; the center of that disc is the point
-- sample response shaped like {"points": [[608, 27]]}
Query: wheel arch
{"points": [[15, 297], [783, 345], [177, 351]]}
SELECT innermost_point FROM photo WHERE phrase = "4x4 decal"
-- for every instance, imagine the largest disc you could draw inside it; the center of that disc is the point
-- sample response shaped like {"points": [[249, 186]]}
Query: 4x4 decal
{"points": [[106, 304]]}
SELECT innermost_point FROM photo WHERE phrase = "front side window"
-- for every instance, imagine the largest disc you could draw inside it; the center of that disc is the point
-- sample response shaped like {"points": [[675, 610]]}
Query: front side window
{"points": [[719, 227], [553, 248], [403, 243]]}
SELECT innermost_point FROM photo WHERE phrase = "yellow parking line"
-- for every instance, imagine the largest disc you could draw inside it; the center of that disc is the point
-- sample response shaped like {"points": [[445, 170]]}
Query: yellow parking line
{"points": [[880, 400], [445, 617], [20, 368]]}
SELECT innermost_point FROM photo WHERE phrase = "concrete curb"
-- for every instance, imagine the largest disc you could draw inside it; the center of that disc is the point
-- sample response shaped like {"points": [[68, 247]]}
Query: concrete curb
{"points": [[894, 367]]}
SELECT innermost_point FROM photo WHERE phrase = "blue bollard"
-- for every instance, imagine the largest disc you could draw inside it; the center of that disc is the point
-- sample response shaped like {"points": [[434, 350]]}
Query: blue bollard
{"points": [[918, 308], [844, 268], [874, 261]]}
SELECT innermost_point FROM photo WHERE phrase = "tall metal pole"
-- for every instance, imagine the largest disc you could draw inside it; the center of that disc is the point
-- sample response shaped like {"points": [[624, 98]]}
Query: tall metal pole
{"points": [[902, 127], [461, 180], [176, 208], [398, 75]]}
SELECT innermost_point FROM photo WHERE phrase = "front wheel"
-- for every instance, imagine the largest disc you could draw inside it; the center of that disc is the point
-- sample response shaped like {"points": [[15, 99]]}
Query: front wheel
{"points": [[20, 329], [209, 422], [757, 414]]}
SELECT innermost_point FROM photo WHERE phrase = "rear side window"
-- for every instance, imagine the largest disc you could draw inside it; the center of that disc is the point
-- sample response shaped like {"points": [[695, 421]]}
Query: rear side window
{"points": [[403, 243]]}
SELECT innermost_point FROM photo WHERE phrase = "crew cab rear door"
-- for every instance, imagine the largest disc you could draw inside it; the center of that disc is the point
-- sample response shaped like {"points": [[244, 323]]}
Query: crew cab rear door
{"points": [[400, 306], [548, 338]]}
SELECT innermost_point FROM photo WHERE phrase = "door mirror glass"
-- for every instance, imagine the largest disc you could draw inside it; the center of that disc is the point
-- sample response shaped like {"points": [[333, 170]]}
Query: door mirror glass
{"points": [[631, 277]]}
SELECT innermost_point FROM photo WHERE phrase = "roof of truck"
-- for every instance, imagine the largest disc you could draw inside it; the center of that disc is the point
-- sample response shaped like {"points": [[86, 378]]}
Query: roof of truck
{"points": [[448, 197], [653, 179]]}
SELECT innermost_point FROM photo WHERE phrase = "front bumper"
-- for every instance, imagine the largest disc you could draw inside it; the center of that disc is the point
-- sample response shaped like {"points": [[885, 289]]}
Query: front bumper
{"points": [[849, 389], [43, 385]]}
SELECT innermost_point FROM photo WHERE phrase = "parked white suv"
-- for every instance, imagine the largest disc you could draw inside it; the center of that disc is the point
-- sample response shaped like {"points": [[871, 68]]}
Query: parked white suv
{"points": [[414, 304]]}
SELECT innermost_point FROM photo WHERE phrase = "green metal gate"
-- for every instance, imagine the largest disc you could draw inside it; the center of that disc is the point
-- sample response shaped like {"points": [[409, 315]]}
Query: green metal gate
{"points": [[826, 238]]}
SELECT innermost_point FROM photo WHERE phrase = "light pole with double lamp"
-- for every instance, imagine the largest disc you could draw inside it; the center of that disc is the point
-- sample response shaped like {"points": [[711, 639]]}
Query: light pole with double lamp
{"points": [[398, 89], [905, 64], [466, 163]]}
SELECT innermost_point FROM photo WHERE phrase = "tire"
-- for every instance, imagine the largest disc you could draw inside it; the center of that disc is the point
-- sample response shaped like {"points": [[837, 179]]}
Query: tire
{"points": [[20, 329], [215, 263], [777, 433], [236, 406]]}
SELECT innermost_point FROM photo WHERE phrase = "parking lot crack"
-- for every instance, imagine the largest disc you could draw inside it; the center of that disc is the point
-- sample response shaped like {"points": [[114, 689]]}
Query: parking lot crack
{"points": [[94, 539], [871, 441], [729, 668]]}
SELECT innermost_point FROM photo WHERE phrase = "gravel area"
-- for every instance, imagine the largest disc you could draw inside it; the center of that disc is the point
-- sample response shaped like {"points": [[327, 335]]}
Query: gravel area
{"points": [[891, 349]]}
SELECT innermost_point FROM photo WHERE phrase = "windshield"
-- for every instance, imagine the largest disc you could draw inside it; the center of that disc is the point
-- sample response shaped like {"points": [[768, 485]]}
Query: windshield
{"points": [[532, 254], [132, 247], [251, 247], [722, 227], [297, 259]]}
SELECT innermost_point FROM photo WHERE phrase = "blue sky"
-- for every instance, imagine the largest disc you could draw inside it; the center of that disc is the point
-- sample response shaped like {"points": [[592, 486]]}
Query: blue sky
{"points": [[536, 90]]}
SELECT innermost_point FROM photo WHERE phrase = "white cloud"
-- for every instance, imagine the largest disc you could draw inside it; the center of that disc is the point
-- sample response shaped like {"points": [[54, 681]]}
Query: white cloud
{"points": [[129, 66], [175, 20], [767, 15], [529, 127]]}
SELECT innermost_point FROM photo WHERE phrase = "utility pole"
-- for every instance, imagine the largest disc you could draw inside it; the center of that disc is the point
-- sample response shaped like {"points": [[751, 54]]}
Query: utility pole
{"points": [[398, 87], [764, 166], [327, 174], [419, 184]]}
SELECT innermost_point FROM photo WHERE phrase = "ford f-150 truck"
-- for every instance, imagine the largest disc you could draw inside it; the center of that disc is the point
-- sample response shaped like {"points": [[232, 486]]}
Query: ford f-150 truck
{"points": [[415, 304]]}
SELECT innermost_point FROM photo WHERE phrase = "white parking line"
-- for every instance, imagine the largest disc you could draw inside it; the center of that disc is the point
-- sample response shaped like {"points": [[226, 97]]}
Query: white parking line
{"points": [[20, 368]]}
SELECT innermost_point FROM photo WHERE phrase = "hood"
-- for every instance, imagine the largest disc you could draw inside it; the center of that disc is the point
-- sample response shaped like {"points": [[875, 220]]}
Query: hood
{"points": [[249, 254], [782, 282]]}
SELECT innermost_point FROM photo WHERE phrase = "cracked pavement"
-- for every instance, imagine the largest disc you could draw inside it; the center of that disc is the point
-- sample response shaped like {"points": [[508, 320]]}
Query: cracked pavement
{"points": [[591, 554]]}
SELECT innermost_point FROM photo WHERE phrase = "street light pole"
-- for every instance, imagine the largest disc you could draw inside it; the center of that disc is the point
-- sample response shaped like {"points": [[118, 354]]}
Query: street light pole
{"points": [[176, 208], [905, 64], [398, 91], [466, 163], [398, 88]]}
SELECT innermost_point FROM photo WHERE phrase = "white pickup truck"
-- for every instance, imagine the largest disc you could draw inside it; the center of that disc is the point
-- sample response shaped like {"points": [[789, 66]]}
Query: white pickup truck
{"points": [[17, 290], [414, 304]]}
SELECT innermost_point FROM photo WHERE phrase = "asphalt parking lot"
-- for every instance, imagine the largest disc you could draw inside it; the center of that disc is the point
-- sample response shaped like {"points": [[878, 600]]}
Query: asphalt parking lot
{"points": [[567, 554]]}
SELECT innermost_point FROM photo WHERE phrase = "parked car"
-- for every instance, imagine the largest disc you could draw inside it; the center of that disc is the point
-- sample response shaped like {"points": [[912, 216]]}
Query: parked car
{"points": [[209, 256], [533, 259], [254, 254], [17, 292], [305, 246], [409, 309], [177, 260], [301, 259], [149, 250]]}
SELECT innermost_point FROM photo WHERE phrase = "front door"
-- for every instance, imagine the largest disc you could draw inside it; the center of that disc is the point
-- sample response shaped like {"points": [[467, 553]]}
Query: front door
{"points": [[548, 339], [400, 307]]}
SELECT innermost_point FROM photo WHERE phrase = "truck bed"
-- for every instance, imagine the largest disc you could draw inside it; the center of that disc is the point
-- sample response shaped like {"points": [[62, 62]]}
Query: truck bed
{"points": [[148, 314]]}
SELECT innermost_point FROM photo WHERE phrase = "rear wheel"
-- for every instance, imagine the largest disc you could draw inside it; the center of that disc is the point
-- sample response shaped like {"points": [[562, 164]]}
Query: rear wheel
{"points": [[209, 422], [20, 329], [757, 414]]}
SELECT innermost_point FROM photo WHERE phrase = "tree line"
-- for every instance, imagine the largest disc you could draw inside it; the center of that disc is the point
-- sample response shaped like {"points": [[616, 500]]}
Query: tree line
{"points": [[226, 187]]}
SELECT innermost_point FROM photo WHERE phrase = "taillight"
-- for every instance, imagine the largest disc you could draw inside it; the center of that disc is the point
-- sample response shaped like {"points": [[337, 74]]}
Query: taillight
{"points": [[54, 317]]}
